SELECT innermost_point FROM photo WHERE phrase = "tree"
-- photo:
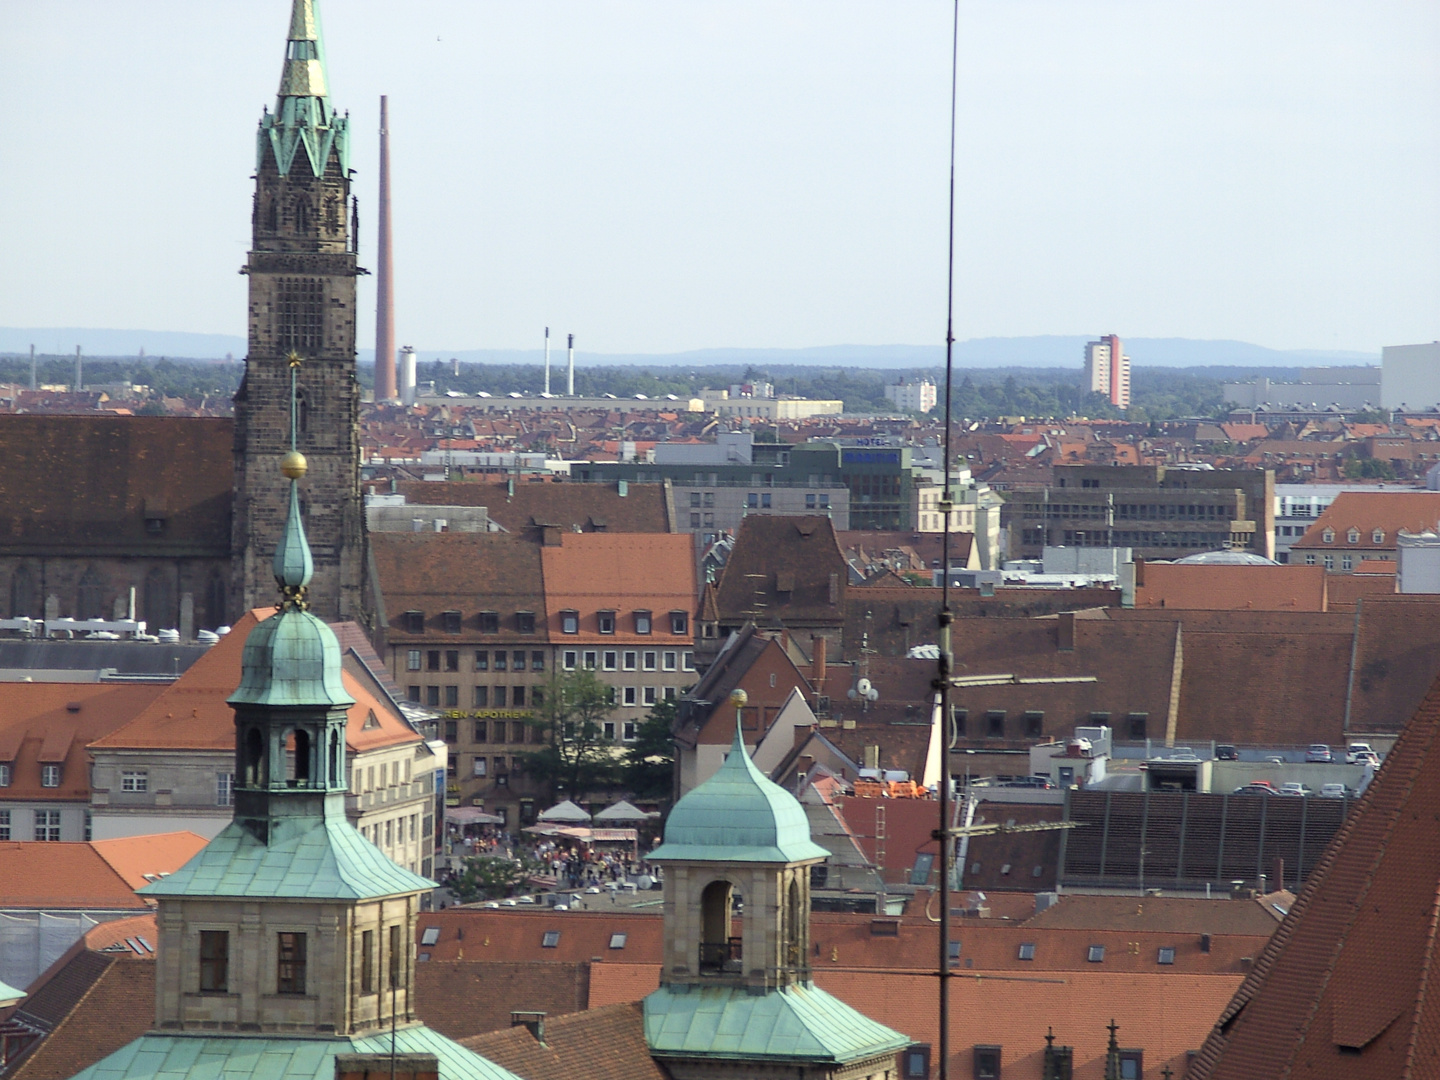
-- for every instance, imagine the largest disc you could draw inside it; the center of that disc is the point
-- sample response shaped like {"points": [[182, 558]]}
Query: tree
{"points": [[576, 757], [648, 767], [489, 877]]}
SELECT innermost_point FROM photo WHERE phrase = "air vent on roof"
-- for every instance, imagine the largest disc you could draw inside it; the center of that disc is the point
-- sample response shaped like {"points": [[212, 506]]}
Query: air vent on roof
{"points": [[72, 706]]}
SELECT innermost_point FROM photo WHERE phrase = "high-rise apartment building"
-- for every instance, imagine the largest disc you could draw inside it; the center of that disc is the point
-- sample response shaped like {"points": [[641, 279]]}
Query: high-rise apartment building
{"points": [[1107, 370], [914, 395]]}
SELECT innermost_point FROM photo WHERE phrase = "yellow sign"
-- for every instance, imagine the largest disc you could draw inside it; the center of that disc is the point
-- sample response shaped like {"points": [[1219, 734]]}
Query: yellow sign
{"points": [[488, 714]]}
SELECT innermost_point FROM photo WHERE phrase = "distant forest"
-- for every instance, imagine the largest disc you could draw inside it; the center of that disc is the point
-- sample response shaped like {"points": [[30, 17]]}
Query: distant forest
{"points": [[979, 393]]}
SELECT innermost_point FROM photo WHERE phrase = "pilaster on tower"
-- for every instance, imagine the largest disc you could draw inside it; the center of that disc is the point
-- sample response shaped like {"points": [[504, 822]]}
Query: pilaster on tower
{"points": [[302, 269]]}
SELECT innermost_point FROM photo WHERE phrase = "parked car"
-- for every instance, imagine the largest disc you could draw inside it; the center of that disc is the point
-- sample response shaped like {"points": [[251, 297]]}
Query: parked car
{"points": [[1334, 791], [1027, 782], [1259, 787], [1226, 752], [1294, 787], [1319, 752], [1372, 759], [1358, 750]]}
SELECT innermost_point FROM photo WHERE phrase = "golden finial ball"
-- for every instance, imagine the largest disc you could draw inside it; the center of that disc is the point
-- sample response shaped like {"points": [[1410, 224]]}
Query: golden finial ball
{"points": [[738, 698], [293, 465]]}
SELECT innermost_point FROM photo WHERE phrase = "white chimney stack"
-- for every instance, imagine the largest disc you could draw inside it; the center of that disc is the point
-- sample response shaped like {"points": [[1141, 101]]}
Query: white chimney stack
{"points": [[547, 361], [570, 387], [407, 376]]}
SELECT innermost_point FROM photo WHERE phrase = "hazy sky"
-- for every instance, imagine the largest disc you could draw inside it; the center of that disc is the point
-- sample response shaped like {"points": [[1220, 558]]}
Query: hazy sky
{"points": [[659, 176]]}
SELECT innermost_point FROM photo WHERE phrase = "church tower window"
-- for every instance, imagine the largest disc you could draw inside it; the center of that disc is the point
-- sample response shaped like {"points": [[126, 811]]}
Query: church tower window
{"points": [[290, 966], [214, 961], [299, 319]]}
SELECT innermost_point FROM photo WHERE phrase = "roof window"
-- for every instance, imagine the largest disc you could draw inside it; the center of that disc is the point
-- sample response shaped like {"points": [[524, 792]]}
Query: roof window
{"points": [[550, 940], [1027, 950], [1096, 954], [606, 621], [430, 936], [617, 941], [452, 621], [642, 622], [1353, 536], [1165, 956], [1328, 536], [414, 622], [525, 622], [569, 622], [489, 622], [1378, 536]]}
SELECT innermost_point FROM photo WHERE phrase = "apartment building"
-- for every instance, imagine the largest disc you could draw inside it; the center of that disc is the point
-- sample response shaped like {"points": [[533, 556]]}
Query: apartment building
{"points": [[1107, 370]]}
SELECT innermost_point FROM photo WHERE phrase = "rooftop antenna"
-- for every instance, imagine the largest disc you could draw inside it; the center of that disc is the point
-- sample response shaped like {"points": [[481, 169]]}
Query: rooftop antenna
{"points": [[944, 664], [547, 361], [570, 385], [32, 367]]}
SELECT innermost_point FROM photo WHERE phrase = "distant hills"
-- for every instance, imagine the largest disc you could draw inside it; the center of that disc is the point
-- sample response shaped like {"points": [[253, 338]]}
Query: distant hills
{"points": [[1052, 351]]}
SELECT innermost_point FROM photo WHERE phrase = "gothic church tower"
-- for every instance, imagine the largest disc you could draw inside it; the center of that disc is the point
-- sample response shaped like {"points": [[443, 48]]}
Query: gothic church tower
{"points": [[302, 270]]}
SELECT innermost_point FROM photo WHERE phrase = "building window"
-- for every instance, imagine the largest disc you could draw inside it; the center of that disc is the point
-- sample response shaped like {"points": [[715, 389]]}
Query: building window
{"points": [[1132, 1064], [412, 693], [489, 622], [642, 622], [1034, 724], [432, 696], [1137, 723], [452, 621], [1310, 559], [4, 774], [412, 660], [1347, 562], [590, 658], [809, 500], [568, 659], [608, 730], [414, 622], [695, 519], [524, 622], [537, 697], [224, 789], [917, 1061], [482, 701], [687, 661], [4, 824], [290, 964], [47, 825], [987, 1063], [569, 622], [647, 660], [650, 696], [1329, 561], [517, 696], [679, 622], [367, 961], [628, 696], [1328, 536], [482, 660], [452, 660], [668, 661], [1353, 536], [452, 697], [1378, 536], [480, 732], [610, 660], [49, 775], [214, 961], [1165, 956], [432, 660], [134, 780], [537, 660], [995, 724], [630, 728], [394, 965], [452, 732], [671, 693], [1027, 951], [550, 939], [1095, 954], [765, 500], [606, 621], [629, 659], [477, 767], [502, 660], [500, 697]]}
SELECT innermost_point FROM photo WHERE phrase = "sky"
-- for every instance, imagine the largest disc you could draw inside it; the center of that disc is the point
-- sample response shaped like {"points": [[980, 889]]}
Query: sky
{"points": [[657, 176]]}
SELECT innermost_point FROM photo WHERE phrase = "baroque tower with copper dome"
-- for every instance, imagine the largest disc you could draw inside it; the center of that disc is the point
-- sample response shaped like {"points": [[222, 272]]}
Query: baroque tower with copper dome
{"points": [[302, 268]]}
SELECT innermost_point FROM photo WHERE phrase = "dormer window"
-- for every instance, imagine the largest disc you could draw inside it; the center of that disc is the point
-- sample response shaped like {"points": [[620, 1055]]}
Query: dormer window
{"points": [[154, 525], [452, 622], [1378, 536], [642, 622], [679, 622], [1353, 536], [49, 775], [525, 622], [1328, 536], [414, 622], [489, 622], [606, 621], [569, 622]]}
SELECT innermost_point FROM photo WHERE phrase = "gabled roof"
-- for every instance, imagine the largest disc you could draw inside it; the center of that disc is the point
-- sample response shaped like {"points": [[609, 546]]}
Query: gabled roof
{"points": [[91, 1005], [93, 875], [192, 713], [784, 570], [592, 572], [1343, 989], [468, 572]]}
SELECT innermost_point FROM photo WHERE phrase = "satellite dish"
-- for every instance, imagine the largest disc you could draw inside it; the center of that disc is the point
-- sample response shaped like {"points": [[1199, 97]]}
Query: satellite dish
{"points": [[863, 687]]}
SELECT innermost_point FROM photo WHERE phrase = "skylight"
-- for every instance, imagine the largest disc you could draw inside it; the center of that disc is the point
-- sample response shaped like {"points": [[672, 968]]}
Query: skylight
{"points": [[1096, 955], [1027, 951], [617, 941], [430, 936], [550, 940], [1167, 956]]}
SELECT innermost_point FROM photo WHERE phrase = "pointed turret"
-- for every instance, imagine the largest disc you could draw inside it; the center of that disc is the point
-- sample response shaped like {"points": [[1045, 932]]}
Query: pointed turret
{"points": [[303, 115]]}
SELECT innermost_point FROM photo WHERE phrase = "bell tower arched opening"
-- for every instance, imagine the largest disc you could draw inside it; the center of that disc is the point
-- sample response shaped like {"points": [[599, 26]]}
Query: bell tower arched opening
{"points": [[254, 759], [719, 951]]}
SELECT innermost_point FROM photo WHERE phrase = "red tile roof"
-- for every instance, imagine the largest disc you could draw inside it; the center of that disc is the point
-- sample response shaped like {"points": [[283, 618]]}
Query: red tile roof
{"points": [[101, 874], [1343, 988], [1260, 588], [607, 1043], [643, 508], [593, 572], [1366, 511]]}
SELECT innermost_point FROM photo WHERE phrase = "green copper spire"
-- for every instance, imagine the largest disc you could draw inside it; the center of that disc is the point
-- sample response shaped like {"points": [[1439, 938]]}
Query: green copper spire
{"points": [[303, 116], [293, 563]]}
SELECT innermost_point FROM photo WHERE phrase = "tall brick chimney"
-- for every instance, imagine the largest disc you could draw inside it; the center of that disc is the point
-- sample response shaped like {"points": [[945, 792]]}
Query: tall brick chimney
{"points": [[385, 387]]}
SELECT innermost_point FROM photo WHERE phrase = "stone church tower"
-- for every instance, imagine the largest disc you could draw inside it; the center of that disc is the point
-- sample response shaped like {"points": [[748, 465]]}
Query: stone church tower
{"points": [[302, 270]]}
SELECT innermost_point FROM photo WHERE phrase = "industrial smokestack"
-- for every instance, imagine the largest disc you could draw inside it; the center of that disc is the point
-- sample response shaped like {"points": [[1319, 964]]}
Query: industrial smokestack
{"points": [[547, 361], [384, 274], [407, 375], [79, 385], [570, 384], [32, 367]]}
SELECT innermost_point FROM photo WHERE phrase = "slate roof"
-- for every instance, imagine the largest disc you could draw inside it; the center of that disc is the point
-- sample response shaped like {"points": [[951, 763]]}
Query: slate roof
{"points": [[1342, 990], [588, 507], [239, 1057], [799, 1023], [785, 569], [607, 1043], [321, 859], [104, 475]]}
